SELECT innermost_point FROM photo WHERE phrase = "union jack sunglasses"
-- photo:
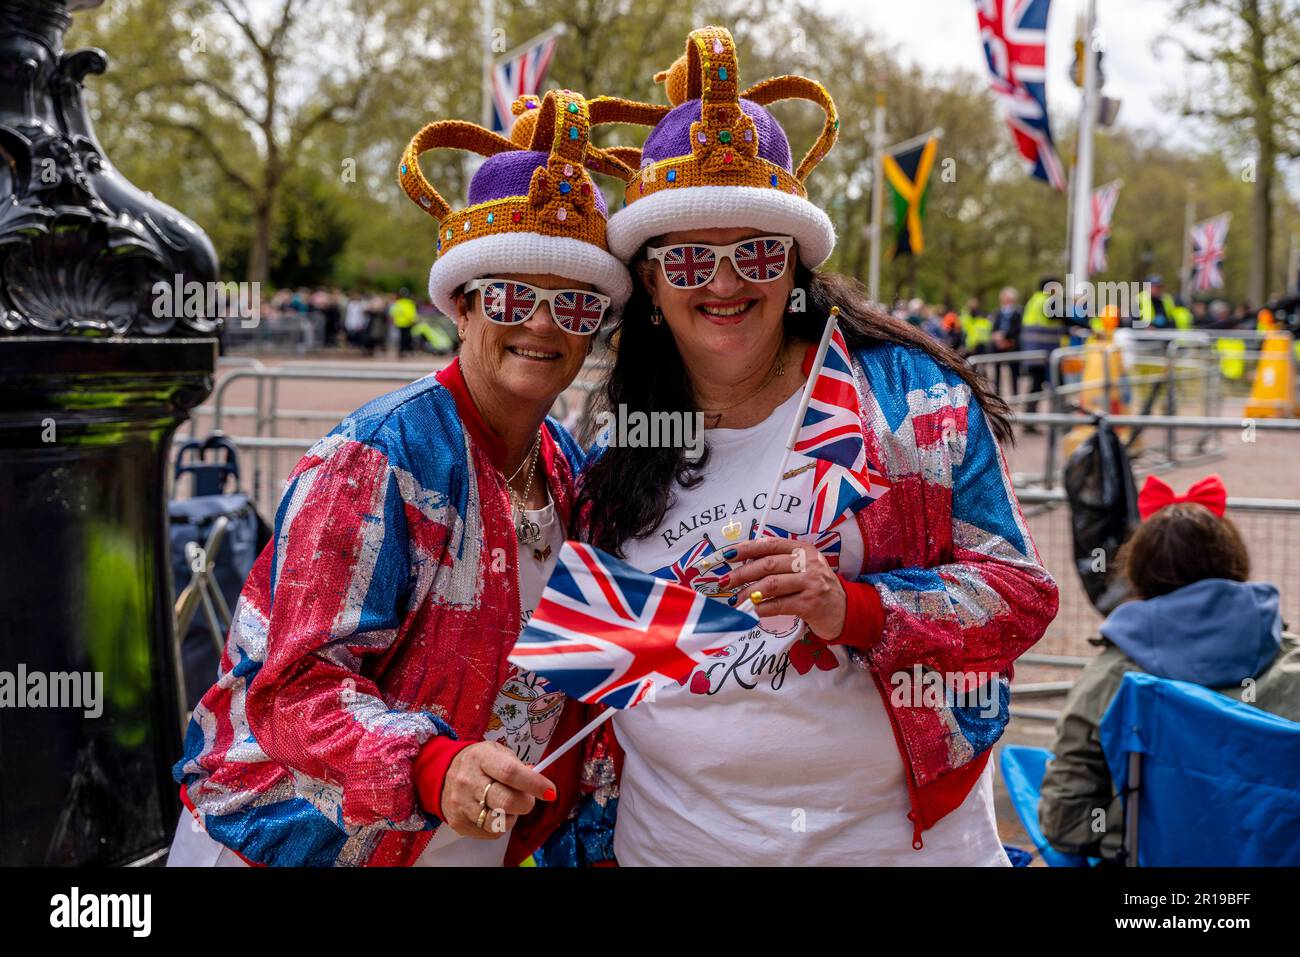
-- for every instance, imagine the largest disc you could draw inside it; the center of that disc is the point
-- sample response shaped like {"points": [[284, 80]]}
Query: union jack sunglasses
{"points": [[509, 302], [691, 265]]}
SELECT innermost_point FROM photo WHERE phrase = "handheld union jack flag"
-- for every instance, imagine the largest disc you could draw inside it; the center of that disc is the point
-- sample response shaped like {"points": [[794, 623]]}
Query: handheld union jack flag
{"points": [[832, 426], [831, 433], [1014, 34], [1209, 243], [839, 492], [606, 633]]}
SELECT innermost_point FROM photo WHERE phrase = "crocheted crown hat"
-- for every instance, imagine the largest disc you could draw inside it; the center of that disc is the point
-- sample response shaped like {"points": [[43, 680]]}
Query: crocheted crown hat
{"points": [[717, 157], [532, 205]]}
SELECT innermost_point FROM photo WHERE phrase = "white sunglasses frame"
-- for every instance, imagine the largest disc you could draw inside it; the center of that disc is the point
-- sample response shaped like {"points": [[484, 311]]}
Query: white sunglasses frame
{"points": [[656, 254], [543, 295]]}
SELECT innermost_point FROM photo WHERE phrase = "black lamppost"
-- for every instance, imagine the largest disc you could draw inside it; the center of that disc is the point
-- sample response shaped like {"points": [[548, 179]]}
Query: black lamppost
{"points": [[94, 379]]}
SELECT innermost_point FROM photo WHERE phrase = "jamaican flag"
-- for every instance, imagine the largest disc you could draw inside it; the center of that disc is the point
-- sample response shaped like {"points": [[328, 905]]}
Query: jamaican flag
{"points": [[908, 174]]}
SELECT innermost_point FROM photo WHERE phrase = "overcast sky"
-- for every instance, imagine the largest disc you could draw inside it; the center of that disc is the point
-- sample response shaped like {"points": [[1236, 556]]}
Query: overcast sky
{"points": [[945, 34]]}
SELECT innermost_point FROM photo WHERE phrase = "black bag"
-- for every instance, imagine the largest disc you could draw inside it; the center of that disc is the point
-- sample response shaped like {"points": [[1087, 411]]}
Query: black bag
{"points": [[1103, 512], [191, 521]]}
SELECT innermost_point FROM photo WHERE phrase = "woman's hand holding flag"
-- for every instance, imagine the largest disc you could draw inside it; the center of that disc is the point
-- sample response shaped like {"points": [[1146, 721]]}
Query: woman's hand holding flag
{"points": [[790, 577]]}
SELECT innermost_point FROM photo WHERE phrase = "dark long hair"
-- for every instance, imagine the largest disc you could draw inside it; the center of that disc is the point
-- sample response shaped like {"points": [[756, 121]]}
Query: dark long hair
{"points": [[627, 491]]}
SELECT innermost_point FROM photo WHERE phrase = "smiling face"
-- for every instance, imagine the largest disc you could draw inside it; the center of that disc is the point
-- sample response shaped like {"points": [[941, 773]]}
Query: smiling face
{"points": [[533, 361], [727, 316]]}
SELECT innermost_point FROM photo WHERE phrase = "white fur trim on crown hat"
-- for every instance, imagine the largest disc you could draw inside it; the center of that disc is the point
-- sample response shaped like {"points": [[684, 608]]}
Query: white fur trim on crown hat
{"points": [[528, 253], [704, 207]]}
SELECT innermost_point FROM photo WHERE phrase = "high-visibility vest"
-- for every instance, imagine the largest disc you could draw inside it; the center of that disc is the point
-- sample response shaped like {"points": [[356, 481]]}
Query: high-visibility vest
{"points": [[1178, 315], [1037, 329], [404, 313], [1232, 357], [978, 330]]}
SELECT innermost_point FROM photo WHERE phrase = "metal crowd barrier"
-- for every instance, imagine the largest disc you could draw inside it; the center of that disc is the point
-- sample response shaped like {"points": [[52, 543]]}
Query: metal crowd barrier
{"points": [[1183, 371]]}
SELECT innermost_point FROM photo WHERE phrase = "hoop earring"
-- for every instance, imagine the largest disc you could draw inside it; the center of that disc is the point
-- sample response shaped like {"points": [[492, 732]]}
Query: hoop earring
{"points": [[656, 316]]}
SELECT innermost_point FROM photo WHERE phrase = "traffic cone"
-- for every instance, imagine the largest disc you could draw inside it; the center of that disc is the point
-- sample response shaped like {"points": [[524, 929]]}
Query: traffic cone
{"points": [[1272, 396]]}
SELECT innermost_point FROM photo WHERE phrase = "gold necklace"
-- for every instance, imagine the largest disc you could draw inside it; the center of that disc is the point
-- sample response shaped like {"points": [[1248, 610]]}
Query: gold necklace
{"points": [[778, 369], [526, 530]]}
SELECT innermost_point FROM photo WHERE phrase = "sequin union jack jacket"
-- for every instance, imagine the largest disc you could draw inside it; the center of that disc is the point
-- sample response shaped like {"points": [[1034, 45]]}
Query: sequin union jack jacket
{"points": [[379, 616], [953, 584]]}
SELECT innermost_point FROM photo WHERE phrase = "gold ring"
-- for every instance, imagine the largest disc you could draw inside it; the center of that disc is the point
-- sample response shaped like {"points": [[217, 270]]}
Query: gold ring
{"points": [[482, 816], [756, 596], [483, 800]]}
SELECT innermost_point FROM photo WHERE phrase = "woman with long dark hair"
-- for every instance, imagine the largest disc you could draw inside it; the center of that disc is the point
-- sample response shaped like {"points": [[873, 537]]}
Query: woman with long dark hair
{"points": [[854, 725]]}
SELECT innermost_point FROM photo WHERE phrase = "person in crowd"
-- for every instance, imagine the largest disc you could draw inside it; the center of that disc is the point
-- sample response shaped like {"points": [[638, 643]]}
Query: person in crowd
{"points": [[1158, 309], [366, 712], [938, 572], [376, 335], [1006, 338], [951, 331], [916, 313], [976, 331], [1042, 328], [326, 302], [355, 321], [1195, 616], [403, 312]]}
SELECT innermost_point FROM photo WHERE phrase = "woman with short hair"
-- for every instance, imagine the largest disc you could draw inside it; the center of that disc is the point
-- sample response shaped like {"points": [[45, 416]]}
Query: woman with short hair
{"points": [[366, 712]]}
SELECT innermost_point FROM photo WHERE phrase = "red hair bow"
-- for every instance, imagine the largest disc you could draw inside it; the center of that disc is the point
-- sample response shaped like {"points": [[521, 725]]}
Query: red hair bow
{"points": [[1156, 494]]}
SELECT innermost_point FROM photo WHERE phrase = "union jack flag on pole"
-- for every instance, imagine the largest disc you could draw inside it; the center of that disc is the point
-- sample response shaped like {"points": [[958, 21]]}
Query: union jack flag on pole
{"points": [[1209, 243], [1014, 34], [521, 71], [831, 429], [606, 633], [839, 492], [1104, 199], [828, 428]]}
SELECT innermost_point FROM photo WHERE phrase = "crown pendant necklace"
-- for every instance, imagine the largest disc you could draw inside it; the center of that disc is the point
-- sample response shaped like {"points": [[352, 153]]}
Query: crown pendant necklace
{"points": [[527, 531]]}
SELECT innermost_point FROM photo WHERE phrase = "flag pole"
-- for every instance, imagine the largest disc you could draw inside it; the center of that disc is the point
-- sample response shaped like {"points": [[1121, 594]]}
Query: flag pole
{"points": [[832, 323], [567, 746], [1189, 220], [486, 62], [877, 196], [1081, 222]]}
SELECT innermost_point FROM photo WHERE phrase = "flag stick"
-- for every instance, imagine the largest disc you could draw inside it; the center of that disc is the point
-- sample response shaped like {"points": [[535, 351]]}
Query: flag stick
{"points": [[877, 196], [1081, 221], [559, 752], [831, 324], [1189, 220]]}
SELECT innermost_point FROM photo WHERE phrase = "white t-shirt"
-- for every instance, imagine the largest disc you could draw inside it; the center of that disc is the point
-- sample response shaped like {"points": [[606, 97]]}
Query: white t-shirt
{"points": [[780, 751], [527, 709]]}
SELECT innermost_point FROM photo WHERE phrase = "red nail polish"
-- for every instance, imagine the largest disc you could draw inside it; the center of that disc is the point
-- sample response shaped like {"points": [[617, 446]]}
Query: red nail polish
{"points": [[549, 795]]}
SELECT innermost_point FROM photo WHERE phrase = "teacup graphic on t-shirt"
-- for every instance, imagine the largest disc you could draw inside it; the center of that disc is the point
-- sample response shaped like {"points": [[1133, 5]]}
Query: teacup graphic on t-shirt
{"points": [[512, 704], [543, 713]]}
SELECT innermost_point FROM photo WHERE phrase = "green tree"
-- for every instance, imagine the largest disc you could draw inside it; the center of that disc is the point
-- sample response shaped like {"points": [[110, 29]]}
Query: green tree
{"points": [[1248, 53]]}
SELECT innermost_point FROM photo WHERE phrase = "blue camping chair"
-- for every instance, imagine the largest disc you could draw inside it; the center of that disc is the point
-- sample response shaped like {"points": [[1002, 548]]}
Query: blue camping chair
{"points": [[1022, 772], [1217, 781]]}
